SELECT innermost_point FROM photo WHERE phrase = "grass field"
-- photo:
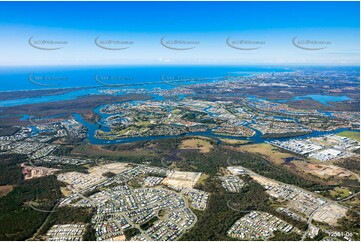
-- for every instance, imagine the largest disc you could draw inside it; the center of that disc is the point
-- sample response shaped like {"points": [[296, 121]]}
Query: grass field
{"points": [[304, 167], [202, 179], [350, 134], [340, 192], [234, 141], [194, 143], [65, 191], [267, 151]]}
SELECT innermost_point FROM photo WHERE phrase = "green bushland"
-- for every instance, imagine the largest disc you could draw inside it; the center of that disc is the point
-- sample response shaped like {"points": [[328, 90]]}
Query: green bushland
{"points": [[129, 233], [18, 220], [10, 169], [149, 224], [70, 215]]}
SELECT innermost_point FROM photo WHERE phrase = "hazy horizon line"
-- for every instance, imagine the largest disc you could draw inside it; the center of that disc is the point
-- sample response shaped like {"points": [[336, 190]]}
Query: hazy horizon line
{"points": [[184, 64]]}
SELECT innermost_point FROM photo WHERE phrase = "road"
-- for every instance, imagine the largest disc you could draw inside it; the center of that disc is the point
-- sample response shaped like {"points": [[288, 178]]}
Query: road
{"points": [[349, 197], [36, 234], [309, 223]]}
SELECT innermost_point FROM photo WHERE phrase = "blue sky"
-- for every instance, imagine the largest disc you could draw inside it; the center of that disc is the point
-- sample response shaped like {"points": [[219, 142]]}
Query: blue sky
{"points": [[271, 25]]}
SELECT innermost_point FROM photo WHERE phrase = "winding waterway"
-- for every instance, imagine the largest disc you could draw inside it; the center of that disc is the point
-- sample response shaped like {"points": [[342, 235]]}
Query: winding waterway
{"points": [[257, 138]]}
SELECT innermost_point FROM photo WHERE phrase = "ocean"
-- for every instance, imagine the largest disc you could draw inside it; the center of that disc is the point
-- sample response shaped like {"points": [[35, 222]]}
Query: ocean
{"points": [[50, 77]]}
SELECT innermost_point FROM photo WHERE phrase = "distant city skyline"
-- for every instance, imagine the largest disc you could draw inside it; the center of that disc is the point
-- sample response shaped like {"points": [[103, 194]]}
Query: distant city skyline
{"points": [[213, 33]]}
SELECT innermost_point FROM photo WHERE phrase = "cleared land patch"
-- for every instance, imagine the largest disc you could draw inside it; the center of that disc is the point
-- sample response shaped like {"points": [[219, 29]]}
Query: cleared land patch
{"points": [[78, 181], [329, 214], [327, 171], [4, 190], [182, 179], [31, 172]]}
